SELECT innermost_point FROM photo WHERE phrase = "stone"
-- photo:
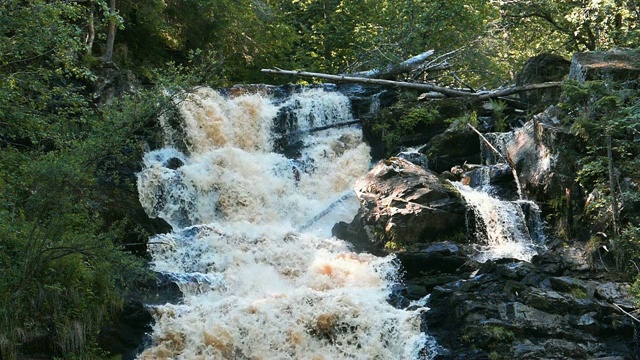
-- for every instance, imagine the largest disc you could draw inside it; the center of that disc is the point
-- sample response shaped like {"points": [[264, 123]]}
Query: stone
{"points": [[174, 163], [455, 146], [126, 334], [403, 204], [515, 309], [614, 293], [544, 170], [568, 284], [437, 258], [538, 69], [620, 65], [414, 156]]}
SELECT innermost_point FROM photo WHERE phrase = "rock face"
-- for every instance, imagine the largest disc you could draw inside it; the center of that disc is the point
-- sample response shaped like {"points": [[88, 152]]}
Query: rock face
{"points": [[404, 204], [539, 69], [126, 335], [455, 146], [536, 149], [615, 65], [516, 310]]}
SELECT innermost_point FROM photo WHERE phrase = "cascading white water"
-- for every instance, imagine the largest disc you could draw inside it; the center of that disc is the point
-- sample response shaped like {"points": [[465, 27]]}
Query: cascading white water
{"points": [[504, 230], [255, 285]]}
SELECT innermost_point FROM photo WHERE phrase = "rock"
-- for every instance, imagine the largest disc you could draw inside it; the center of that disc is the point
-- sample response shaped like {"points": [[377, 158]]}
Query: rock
{"points": [[125, 335], [455, 146], [571, 285], [174, 163], [442, 257], [544, 170], [356, 233], [113, 83], [614, 293], [516, 310], [538, 69], [549, 263], [367, 99], [403, 204], [415, 156], [620, 65]]}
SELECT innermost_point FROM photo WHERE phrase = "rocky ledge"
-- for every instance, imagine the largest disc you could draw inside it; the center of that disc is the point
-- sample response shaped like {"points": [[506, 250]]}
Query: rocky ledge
{"points": [[512, 309], [554, 307]]}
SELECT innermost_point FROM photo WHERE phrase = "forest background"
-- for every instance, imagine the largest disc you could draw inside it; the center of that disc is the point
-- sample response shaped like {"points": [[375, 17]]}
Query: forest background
{"points": [[65, 269]]}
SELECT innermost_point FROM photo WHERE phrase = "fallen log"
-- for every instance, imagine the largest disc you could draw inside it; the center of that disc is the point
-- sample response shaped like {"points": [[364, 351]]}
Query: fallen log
{"points": [[320, 128], [481, 95], [353, 79], [395, 69]]}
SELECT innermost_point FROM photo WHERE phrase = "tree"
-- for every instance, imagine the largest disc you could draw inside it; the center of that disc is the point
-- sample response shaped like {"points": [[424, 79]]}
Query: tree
{"points": [[111, 31], [605, 117], [573, 25]]}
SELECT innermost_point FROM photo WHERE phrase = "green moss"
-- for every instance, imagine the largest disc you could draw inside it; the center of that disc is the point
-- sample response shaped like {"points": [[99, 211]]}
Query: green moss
{"points": [[501, 334], [578, 293]]}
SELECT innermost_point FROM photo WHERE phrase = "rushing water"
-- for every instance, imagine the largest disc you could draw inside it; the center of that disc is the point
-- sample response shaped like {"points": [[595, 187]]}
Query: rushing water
{"points": [[251, 248], [503, 229]]}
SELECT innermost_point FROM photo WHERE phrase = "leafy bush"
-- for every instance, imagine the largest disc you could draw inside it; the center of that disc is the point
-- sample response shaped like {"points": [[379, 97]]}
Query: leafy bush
{"points": [[396, 123]]}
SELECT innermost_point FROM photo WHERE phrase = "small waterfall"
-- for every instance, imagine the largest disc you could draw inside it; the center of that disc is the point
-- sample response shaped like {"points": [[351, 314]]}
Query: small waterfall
{"points": [[503, 229], [499, 142], [251, 249]]}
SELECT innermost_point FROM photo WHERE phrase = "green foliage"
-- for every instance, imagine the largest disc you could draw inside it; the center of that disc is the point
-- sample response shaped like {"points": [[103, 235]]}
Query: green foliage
{"points": [[626, 251], [499, 106], [596, 110], [62, 275], [392, 125], [571, 25], [40, 75]]}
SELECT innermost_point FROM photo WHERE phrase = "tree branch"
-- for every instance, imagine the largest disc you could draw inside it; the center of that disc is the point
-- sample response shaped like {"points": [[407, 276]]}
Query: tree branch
{"points": [[484, 95]]}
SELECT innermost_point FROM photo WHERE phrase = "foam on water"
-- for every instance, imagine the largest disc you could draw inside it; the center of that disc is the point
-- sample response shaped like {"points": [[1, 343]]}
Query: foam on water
{"points": [[255, 285], [504, 231]]}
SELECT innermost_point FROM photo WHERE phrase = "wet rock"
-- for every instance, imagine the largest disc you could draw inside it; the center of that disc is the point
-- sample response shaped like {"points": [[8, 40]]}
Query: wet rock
{"points": [[367, 99], [174, 163], [125, 335], [404, 204], [536, 149], [414, 156], [515, 310], [436, 258]]}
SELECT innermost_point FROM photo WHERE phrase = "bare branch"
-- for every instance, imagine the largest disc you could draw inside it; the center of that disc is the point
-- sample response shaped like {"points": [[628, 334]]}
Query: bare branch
{"points": [[485, 95]]}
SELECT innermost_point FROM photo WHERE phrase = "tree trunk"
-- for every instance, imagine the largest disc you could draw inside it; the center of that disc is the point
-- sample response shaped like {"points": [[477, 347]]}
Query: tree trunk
{"points": [[395, 69], [111, 32], [481, 95], [91, 31], [612, 186]]}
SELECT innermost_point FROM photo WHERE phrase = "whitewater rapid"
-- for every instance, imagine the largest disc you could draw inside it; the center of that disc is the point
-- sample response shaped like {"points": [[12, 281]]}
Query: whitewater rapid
{"points": [[261, 275]]}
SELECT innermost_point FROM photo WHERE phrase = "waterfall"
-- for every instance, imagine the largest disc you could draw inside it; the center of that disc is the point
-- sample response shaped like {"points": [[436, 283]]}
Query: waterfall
{"points": [[251, 248], [502, 229]]}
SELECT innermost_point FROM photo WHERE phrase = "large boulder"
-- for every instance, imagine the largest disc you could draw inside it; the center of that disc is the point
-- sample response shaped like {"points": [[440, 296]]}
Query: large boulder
{"points": [[620, 65], [537, 150], [404, 204], [538, 69]]}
